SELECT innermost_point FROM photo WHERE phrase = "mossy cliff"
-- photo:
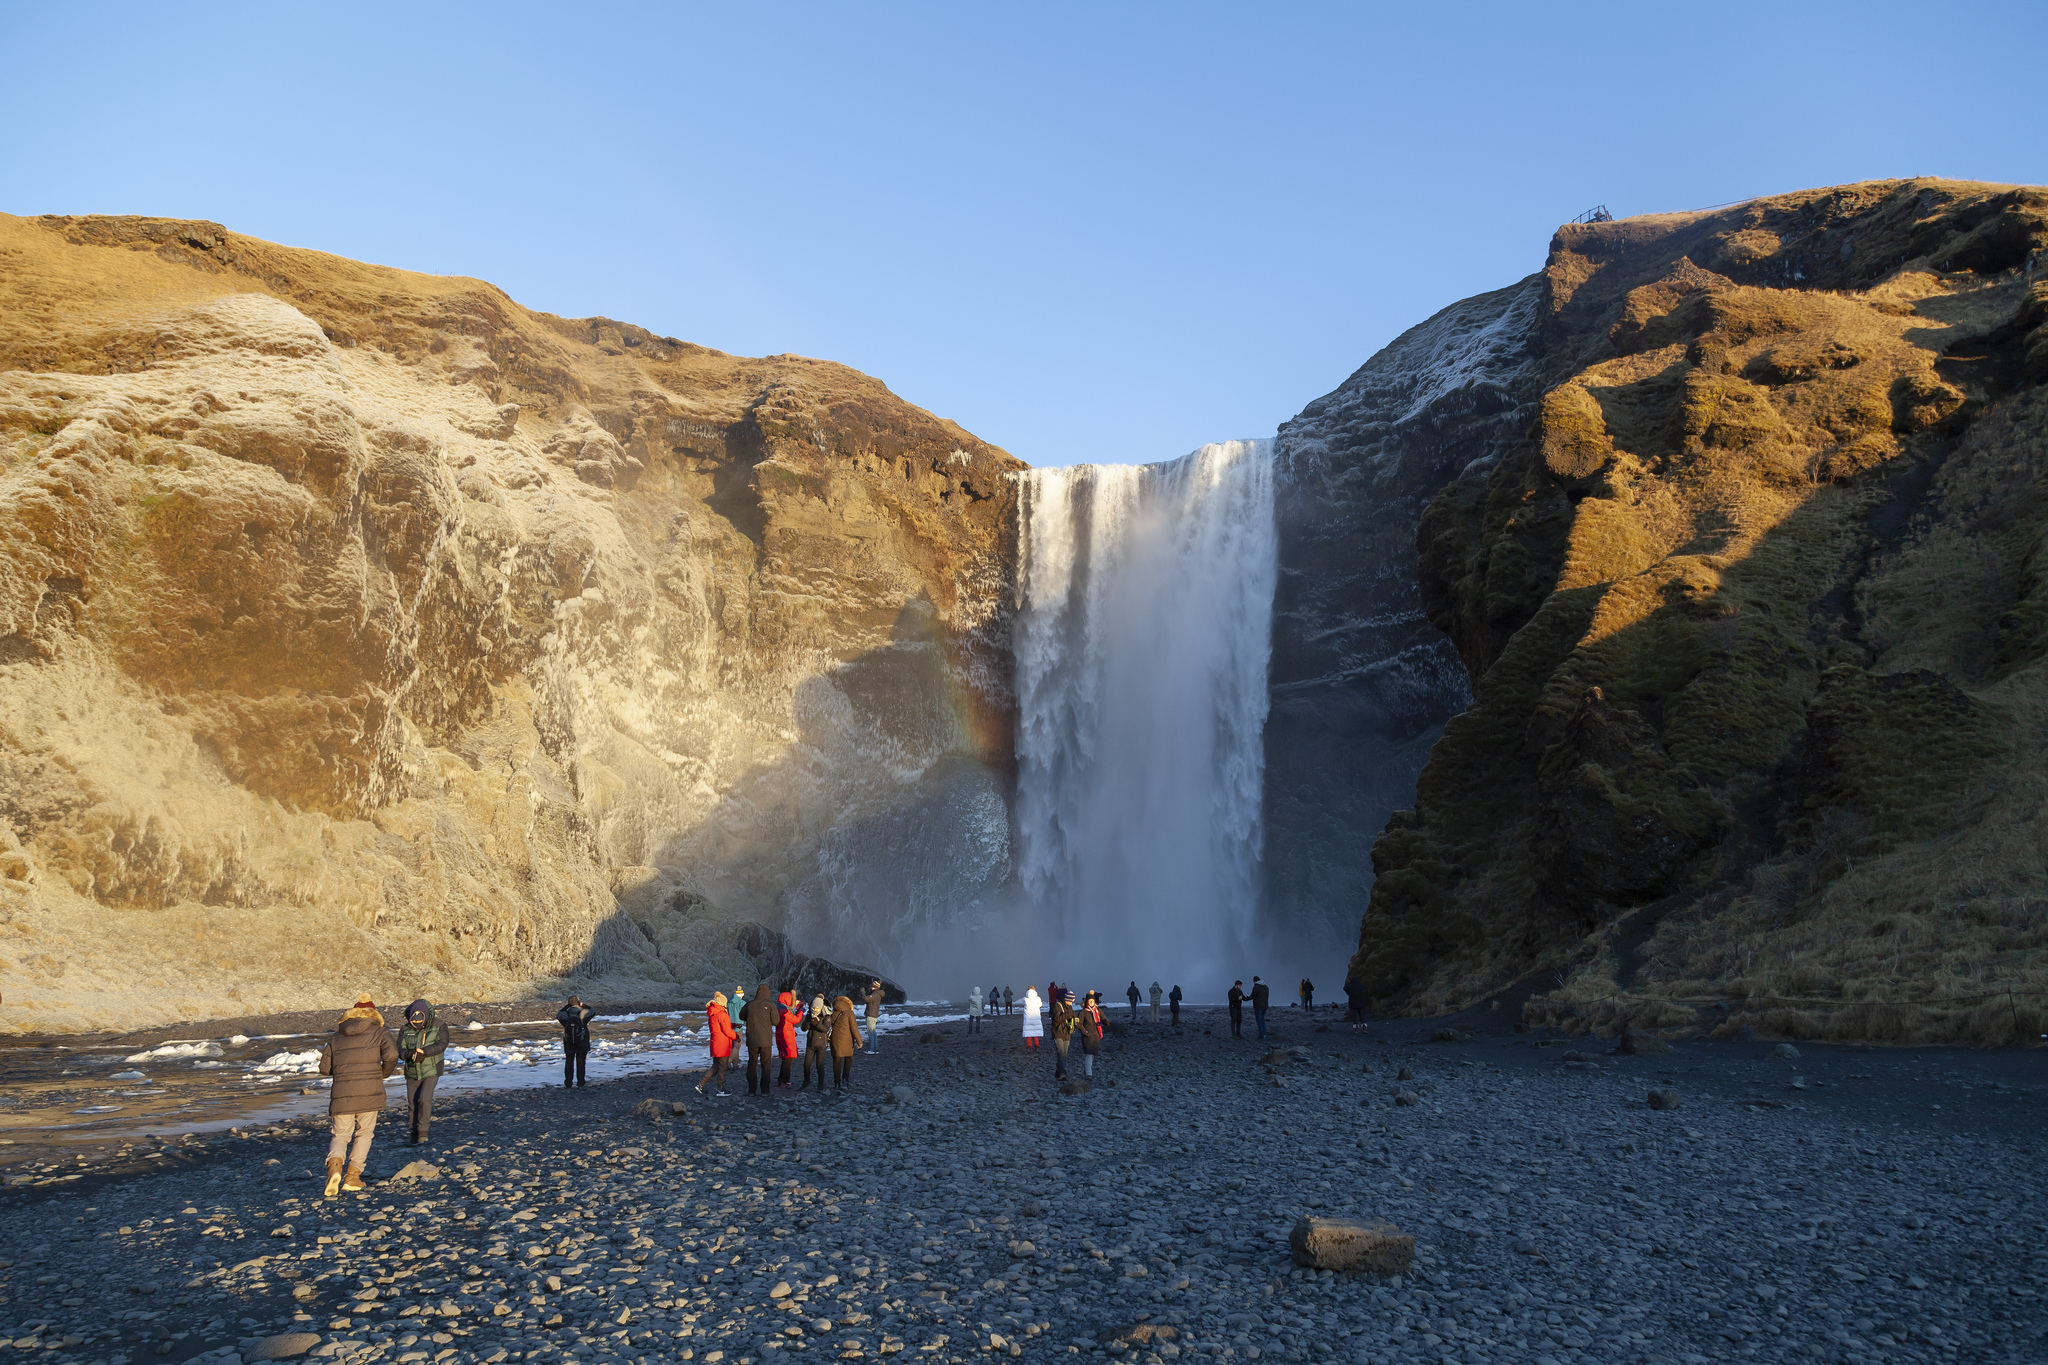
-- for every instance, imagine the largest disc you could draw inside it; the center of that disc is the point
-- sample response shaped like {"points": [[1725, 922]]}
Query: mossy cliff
{"points": [[364, 629], [1756, 618]]}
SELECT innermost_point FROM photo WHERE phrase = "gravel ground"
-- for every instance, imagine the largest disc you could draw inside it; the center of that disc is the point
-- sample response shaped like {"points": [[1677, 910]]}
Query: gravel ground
{"points": [[1840, 1206]]}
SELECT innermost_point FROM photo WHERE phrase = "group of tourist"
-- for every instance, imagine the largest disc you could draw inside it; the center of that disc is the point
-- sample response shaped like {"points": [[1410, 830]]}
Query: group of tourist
{"points": [[362, 1054], [772, 1025]]}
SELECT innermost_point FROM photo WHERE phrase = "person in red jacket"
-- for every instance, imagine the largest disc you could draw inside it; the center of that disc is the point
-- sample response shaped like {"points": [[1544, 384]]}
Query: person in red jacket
{"points": [[790, 1014], [719, 1022]]}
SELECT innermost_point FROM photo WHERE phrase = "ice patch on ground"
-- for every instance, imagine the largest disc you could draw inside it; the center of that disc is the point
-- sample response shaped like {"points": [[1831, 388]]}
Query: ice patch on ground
{"points": [[178, 1048], [291, 1063]]}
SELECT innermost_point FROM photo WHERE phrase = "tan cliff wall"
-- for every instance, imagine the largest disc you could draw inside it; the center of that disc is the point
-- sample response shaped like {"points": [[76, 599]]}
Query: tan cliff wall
{"points": [[1753, 614], [363, 629]]}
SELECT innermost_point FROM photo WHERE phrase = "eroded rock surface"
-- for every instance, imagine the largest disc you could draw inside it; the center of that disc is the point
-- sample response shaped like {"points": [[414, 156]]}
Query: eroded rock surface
{"points": [[363, 629]]}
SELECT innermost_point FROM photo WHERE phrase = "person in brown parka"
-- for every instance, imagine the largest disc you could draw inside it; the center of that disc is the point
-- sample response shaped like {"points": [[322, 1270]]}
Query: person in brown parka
{"points": [[359, 1057], [846, 1041]]}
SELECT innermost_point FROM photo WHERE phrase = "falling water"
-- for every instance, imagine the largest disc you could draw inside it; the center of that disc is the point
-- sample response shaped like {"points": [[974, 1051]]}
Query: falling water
{"points": [[1142, 639]]}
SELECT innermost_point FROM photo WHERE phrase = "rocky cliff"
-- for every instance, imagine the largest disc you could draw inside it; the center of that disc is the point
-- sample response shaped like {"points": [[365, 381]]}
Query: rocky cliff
{"points": [[363, 629], [1755, 609], [1361, 683]]}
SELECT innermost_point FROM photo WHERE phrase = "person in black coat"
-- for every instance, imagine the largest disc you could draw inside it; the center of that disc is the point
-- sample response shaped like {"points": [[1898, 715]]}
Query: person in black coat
{"points": [[1354, 997], [574, 1018], [1237, 1009], [1173, 1000], [1262, 996], [761, 1013]]}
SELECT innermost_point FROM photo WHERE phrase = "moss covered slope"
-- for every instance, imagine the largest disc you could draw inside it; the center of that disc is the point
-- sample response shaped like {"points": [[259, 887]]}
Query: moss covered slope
{"points": [[1756, 618]]}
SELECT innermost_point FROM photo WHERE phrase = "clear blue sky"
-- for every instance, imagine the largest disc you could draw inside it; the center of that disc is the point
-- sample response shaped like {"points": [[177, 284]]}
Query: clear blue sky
{"points": [[1086, 232]]}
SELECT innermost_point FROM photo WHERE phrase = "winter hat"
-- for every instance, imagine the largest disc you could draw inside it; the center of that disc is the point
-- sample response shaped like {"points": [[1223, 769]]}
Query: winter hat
{"points": [[717, 998], [364, 1002]]}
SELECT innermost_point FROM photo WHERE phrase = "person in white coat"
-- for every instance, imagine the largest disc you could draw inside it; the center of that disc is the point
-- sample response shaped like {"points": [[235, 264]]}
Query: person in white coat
{"points": [[1033, 1028], [974, 1010]]}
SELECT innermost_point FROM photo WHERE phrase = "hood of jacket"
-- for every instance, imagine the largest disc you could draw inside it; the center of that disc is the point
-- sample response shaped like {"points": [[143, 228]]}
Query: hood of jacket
{"points": [[422, 1007], [787, 999], [362, 1012], [354, 1023], [844, 1002], [718, 999]]}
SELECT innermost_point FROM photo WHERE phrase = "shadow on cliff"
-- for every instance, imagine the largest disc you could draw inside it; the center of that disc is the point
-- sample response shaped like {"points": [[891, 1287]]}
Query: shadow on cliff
{"points": [[883, 825], [1711, 794]]}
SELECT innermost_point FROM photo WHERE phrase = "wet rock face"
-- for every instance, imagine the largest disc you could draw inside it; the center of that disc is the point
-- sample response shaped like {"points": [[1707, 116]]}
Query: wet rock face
{"points": [[357, 625], [1361, 682]]}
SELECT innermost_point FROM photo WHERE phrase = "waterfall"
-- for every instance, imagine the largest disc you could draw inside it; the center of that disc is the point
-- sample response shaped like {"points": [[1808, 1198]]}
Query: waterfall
{"points": [[1142, 638]]}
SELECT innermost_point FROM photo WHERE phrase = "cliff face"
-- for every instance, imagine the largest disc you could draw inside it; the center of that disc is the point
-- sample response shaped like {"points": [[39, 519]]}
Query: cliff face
{"points": [[1754, 616], [1361, 683], [364, 629]]}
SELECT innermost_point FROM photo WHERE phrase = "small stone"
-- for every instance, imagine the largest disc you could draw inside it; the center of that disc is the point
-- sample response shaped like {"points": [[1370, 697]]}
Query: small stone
{"points": [[1786, 1052], [282, 1347], [1404, 1074], [1666, 1098], [1074, 1085], [417, 1170], [900, 1094], [1332, 1244], [1449, 1035], [1023, 1251], [1798, 1083], [1405, 1098], [1277, 1057], [652, 1110], [781, 1290]]}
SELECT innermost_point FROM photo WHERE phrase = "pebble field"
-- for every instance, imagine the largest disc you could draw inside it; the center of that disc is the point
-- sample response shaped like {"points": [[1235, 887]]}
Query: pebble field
{"points": [[1840, 1206]]}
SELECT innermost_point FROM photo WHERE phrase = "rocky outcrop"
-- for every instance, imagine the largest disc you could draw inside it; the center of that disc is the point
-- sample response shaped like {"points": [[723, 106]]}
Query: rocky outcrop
{"points": [[365, 629], [1361, 683], [1749, 612]]}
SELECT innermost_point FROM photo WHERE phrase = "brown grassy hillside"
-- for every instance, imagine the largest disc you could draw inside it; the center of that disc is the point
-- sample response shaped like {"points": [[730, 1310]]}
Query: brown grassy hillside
{"points": [[1757, 617]]}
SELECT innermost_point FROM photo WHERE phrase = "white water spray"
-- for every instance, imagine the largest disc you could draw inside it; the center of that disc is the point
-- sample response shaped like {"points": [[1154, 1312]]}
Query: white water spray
{"points": [[1141, 647]]}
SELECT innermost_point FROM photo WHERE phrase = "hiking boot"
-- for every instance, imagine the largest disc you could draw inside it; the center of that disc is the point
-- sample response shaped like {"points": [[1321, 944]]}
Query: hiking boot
{"points": [[333, 1176], [353, 1180]]}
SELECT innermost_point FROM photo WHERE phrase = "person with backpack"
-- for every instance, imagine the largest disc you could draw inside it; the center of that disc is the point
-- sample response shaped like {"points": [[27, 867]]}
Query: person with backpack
{"points": [[974, 1010], [1237, 1009], [1134, 997], [1308, 995], [1062, 1030], [1174, 1001], [421, 1043], [718, 1024], [574, 1018], [360, 1056]]}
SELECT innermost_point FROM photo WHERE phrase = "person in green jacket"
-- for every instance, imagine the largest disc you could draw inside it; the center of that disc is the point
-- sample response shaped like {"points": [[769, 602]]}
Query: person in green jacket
{"points": [[420, 1044]]}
